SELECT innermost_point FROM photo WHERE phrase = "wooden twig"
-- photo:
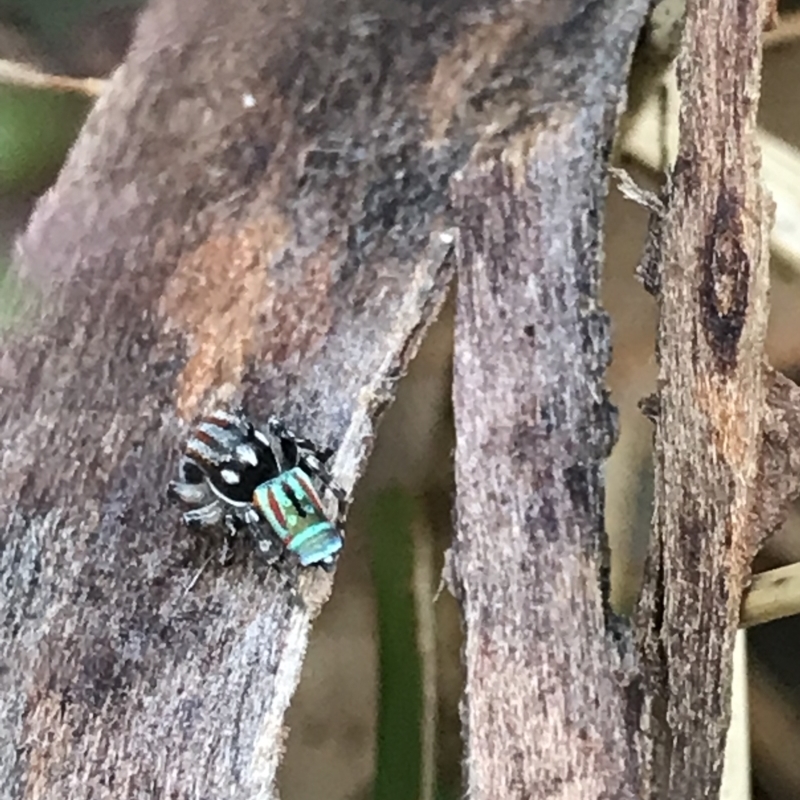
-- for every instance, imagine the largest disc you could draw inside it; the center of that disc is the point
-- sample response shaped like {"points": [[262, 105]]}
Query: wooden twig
{"points": [[772, 595], [723, 473], [736, 773], [16, 74], [544, 707]]}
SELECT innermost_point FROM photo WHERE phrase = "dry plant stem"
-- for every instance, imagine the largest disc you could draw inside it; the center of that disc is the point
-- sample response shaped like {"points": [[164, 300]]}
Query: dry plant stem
{"points": [[254, 211], [16, 74], [544, 708], [772, 595], [713, 457]]}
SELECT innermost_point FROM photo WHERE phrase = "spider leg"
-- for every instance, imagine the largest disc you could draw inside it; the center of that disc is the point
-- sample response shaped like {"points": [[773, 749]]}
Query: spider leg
{"points": [[328, 564], [237, 520], [270, 548], [277, 428], [193, 494], [205, 516], [341, 500], [341, 507], [330, 484], [313, 459], [231, 527], [322, 456]]}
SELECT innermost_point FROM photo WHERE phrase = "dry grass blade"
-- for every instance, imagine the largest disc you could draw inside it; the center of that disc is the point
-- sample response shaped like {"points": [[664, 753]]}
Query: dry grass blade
{"points": [[772, 595], [16, 74], [788, 31]]}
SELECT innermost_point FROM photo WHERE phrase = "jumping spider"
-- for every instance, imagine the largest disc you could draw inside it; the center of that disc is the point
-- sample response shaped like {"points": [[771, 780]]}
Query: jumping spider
{"points": [[267, 482]]}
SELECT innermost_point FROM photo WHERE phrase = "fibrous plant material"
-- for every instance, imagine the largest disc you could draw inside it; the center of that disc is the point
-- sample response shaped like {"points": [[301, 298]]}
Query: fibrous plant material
{"points": [[546, 664], [725, 424], [257, 210]]}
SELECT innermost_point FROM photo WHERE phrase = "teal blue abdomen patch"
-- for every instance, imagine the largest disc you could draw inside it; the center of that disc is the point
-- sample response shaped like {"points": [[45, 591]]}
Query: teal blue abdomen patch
{"points": [[292, 507]]}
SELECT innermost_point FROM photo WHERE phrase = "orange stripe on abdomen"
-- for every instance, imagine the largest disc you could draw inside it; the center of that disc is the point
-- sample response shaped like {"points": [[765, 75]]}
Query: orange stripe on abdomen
{"points": [[276, 509]]}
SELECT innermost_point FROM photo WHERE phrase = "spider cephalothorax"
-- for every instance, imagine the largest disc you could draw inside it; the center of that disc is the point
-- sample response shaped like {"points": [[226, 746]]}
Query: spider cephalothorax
{"points": [[266, 481]]}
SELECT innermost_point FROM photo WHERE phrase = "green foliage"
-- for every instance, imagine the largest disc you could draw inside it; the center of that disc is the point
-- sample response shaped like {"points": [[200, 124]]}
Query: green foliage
{"points": [[36, 130], [399, 754]]}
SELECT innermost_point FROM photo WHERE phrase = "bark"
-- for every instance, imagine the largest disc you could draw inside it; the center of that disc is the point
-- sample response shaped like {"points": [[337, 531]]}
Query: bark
{"points": [[562, 698], [725, 424], [257, 210], [261, 209], [544, 708]]}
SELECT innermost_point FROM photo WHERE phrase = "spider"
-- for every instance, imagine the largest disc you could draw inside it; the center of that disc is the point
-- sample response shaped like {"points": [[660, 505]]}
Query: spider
{"points": [[264, 481]]}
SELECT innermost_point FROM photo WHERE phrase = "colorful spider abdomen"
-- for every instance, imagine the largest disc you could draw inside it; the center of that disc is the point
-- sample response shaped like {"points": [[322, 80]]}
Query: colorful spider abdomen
{"points": [[292, 507]]}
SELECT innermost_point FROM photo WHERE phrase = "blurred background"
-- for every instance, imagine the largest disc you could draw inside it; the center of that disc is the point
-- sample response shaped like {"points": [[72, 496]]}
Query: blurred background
{"points": [[376, 714]]}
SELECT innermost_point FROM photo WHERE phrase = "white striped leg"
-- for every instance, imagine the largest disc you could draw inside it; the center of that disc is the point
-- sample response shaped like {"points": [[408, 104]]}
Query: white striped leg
{"points": [[205, 516], [193, 494], [314, 456]]}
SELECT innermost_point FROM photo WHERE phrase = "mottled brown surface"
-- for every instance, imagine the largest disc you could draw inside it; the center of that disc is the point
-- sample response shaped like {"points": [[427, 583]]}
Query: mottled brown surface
{"points": [[250, 213], [725, 425], [258, 209], [581, 715], [544, 708]]}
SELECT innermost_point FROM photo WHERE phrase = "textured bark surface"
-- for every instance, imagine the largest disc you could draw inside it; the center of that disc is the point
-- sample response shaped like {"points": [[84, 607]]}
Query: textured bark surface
{"points": [[725, 424], [262, 209], [561, 700], [544, 710], [257, 210]]}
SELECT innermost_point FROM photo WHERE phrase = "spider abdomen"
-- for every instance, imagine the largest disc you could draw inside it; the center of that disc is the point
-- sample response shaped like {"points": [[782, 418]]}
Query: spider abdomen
{"points": [[292, 507]]}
